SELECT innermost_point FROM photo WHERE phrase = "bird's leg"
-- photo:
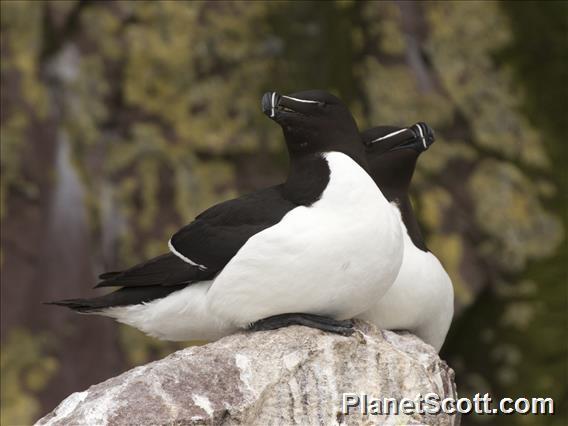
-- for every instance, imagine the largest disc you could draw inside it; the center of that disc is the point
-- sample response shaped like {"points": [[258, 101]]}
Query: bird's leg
{"points": [[344, 328]]}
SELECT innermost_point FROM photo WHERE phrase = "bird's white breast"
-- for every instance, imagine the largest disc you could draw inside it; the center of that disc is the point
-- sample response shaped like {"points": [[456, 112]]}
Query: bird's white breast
{"points": [[420, 300], [320, 259]]}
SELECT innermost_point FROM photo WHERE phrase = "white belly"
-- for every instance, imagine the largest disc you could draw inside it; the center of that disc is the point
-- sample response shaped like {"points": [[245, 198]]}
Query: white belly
{"points": [[320, 259], [420, 300], [182, 315]]}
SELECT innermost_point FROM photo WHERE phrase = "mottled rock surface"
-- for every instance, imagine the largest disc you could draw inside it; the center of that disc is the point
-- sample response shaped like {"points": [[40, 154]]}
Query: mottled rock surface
{"points": [[294, 375]]}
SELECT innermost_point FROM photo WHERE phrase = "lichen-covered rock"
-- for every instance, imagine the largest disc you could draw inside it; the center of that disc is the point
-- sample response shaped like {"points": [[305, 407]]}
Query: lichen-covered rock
{"points": [[294, 375]]}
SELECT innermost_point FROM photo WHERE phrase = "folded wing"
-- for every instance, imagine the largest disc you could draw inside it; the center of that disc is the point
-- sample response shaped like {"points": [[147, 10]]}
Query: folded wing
{"points": [[202, 248]]}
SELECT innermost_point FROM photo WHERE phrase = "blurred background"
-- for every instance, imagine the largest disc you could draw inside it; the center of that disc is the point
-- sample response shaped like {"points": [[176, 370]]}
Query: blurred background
{"points": [[120, 121]]}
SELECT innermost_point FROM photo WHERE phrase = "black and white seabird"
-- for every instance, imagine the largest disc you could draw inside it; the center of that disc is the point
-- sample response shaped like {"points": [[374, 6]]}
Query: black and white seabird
{"points": [[308, 246], [421, 300]]}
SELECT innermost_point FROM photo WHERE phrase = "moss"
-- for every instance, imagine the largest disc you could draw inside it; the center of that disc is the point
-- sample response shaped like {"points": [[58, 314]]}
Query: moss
{"points": [[449, 250], [434, 203], [21, 41], [508, 209], [12, 133], [482, 90], [21, 38], [25, 369]]}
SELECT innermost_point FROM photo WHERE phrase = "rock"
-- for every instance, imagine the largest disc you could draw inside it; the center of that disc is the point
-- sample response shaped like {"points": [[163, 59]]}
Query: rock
{"points": [[294, 375]]}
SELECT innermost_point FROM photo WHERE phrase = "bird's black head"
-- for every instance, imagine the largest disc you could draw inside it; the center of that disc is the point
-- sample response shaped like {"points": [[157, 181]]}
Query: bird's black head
{"points": [[314, 121], [392, 153]]}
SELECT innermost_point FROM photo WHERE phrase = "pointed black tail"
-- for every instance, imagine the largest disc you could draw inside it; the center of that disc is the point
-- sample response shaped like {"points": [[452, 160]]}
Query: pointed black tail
{"points": [[122, 297]]}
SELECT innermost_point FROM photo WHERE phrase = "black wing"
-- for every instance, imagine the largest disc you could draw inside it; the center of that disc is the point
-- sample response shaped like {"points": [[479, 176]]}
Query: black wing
{"points": [[206, 245], [164, 270], [122, 297], [218, 233]]}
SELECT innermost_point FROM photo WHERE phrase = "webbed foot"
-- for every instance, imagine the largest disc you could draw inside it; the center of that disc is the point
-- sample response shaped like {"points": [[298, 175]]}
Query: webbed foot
{"points": [[345, 327]]}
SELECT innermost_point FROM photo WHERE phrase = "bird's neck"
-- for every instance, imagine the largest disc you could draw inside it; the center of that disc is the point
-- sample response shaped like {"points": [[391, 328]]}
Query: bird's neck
{"points": [[354, 150], [308, 176]]}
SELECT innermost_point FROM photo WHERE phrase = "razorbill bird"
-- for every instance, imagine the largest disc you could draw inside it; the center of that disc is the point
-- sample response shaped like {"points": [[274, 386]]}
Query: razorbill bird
{"points": [[303, 252], [421, 300]]}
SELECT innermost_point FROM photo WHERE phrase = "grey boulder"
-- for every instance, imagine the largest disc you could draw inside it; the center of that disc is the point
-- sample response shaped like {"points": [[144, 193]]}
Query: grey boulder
{"points": [[294, 375]]}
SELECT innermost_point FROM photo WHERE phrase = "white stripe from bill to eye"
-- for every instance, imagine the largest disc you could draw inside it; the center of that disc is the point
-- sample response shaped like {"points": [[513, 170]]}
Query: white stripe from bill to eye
{"points": [[184, 258], [300, 100], [389, 135], [272, 99], [422, 136]]}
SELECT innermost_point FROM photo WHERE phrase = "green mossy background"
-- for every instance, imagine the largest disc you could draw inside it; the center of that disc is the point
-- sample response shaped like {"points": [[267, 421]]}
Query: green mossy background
{"points": [[120, 121]]}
